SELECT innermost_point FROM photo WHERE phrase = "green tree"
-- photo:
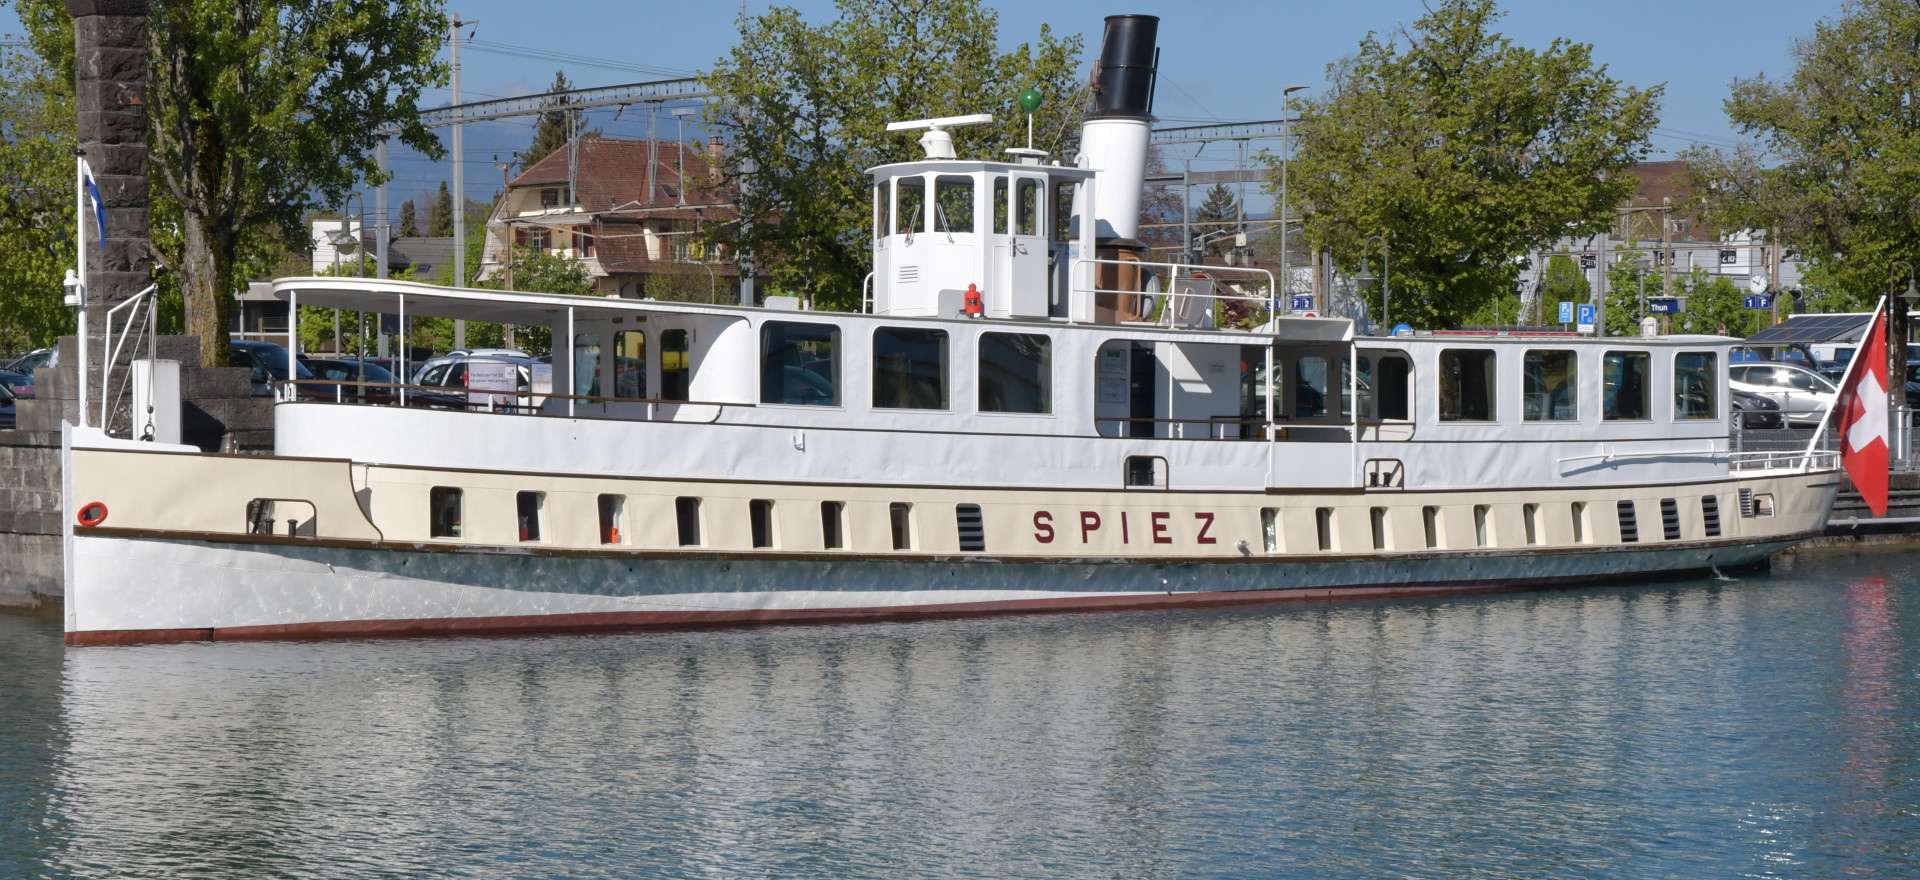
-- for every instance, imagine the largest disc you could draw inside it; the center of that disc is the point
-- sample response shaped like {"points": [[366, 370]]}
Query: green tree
{"points": [[551, 127], [1836, 177], [440, 216], [1715, 302], [409, 220], [260, 110], [1469, 151], [806, 107], [1565, 281], [1216, 214], [36, 212]]}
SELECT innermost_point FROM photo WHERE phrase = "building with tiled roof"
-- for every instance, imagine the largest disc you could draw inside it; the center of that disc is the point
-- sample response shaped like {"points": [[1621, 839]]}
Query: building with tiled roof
{"points": [[632, 211]]}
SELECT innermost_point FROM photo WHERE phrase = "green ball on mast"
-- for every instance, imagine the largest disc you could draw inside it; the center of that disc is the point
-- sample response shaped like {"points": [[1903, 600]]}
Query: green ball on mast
{"points": [[1030, 101]]}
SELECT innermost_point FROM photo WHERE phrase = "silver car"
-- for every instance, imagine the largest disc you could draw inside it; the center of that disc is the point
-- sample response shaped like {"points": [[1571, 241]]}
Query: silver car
{"points": [[1803, 394]]}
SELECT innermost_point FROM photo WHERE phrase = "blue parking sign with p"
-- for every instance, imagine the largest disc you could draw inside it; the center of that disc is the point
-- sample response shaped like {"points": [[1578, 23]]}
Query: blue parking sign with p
{"points": [[1566, 313], [1585, 315]]}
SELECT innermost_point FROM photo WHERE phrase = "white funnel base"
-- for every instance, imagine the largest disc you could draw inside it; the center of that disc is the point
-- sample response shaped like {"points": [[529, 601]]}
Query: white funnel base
{"points": [[1116, 149]]}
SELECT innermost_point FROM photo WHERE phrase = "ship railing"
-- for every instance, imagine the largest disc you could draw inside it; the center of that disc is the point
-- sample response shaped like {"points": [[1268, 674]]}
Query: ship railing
{"points": [[524, 403], [1783, 460], [1180, 306]]}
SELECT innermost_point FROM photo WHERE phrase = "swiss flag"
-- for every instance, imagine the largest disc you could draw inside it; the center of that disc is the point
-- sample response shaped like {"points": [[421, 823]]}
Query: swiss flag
{"points": [[1862, 412]]}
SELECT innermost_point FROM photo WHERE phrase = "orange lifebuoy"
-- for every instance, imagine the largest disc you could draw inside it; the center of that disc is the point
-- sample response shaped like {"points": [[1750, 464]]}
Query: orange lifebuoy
{"points": [[92, 514]]}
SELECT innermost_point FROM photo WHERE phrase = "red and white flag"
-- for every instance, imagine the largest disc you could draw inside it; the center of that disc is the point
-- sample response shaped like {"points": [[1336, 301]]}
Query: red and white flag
{"points": [[1861, 415]]}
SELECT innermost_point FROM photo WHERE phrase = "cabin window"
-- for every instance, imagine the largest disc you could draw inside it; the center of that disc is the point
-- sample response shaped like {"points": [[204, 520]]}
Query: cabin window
{"points": [[1579, 511], [1026, 207], [1467, 385], [443, 507], [1323, 527], [1063, 210], [686, 514], [800, 363], [1016, 373], [1001, 211], [972, 528], [586, 364], [1378, 517], [1530, 518], [909, 206], [1623, 385], [880, 211], [528, 509], [1430, 520], [613, 519], [909, 368], [760, 519], [900, 519], [1270, 528], [676, 365], [1311, 385], [833, 525], [1695, 384], [1391, 389], [630, 364], [1482, 530], [1550, 383], [953, 204], [1254, 388]]}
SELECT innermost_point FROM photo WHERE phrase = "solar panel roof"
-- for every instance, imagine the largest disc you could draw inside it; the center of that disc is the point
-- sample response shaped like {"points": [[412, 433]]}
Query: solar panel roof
{"points": [[1811, 328]]}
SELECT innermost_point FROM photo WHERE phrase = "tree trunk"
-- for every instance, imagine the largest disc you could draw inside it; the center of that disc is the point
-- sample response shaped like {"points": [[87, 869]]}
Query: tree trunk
{"points": [[206, 288]]}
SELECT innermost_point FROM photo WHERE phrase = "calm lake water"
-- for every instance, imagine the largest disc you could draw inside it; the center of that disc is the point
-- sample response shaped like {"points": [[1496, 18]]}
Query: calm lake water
{"points": [[1765, 726]]}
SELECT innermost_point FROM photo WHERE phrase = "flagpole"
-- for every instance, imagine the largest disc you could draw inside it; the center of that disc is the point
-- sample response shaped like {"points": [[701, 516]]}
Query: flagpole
{"points": [[1846, 380], [80, 256]]}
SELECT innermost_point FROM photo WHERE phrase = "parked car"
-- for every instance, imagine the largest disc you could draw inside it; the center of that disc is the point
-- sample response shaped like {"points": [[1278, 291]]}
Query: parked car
{"points": [[1757, 410], [1833, 370], [451, 371], [269, 364], [385, 391], [21, 384], [8, 414], [1803, 394], [34, 360]]}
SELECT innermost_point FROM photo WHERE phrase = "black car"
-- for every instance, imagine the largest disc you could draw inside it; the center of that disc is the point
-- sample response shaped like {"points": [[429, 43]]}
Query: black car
{"points": [[269, 365], [21, 384], [1757, 410]]}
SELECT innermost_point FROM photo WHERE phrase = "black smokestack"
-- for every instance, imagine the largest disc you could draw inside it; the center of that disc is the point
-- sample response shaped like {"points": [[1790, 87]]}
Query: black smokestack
{"points": [[1123, 78]]}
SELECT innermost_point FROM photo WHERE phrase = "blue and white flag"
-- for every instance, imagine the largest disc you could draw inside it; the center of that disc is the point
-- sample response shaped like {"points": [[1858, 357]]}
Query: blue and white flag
{"points": [[93, 196]]}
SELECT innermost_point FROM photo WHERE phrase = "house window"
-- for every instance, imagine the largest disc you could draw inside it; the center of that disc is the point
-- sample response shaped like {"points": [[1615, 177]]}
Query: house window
{"points": [[686, 514], [613, 516], [443, 505], [676, 363], [1467, 385], [528, 507], [760, 519], [832, 525], [909, 368], [1623, 385], [1549, 386], [554, 197], [1016, 373], [540, 239], [900, 519], [1695, 385], [800, 363], [630, 364]]}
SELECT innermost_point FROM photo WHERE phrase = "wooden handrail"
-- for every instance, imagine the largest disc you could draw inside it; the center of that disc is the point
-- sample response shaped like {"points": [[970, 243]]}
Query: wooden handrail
{"points": [[463, 390]]}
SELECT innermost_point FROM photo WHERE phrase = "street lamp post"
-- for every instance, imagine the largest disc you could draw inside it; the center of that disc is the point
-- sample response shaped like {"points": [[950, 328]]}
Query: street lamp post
{"points": [[1286, 147], [1386, 266]]}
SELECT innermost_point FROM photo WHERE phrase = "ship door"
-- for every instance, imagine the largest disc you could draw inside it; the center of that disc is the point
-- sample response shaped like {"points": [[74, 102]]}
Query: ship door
{"points": [[1142, 396], [1020, 249]]}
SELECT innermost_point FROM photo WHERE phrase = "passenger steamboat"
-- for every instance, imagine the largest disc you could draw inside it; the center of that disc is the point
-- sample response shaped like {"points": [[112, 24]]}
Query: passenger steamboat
{"points": [[1027, 414]]}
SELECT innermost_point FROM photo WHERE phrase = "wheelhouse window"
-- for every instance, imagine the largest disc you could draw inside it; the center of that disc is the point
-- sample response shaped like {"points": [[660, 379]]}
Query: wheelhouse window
{"points": [[676, 365], [1695, 385], [1467, 385], [1016, 373], [1310, 387], [909, 368], [630, 364], [443, 505], [1623, 385], [1550, 383], [800, 363], [909, 205], [953, 204], [1063, 210], [1001, 211], [1026, 208]]}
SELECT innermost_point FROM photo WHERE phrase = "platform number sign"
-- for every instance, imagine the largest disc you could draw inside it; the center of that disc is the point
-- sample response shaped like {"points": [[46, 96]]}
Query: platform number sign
{"points": [[1585, 317], [1566, 313], [1300, 303], [1759, 302]]}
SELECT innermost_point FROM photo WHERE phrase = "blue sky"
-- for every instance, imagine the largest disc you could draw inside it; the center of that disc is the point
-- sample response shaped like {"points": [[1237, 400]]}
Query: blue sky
{"points": [[1221, 61]]}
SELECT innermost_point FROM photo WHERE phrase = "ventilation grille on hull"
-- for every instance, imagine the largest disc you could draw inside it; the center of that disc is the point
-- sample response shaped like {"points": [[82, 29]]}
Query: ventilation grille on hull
{"points": [[1629, 528], [1670, 518], [973, 531], [1710, 514]]}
